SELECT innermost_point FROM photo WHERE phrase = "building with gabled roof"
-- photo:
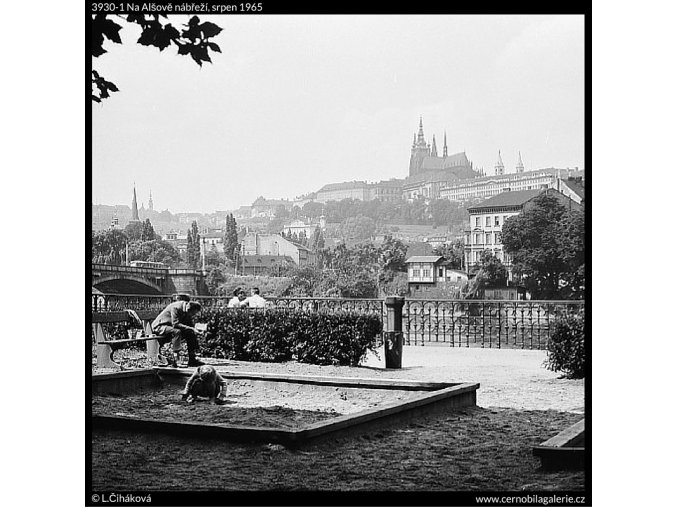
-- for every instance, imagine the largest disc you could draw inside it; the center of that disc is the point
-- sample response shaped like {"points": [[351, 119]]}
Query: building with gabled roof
{"points": [[264, 264], [487, 219], [263, 207], [432, 273], [274, 244], [358, 190]]}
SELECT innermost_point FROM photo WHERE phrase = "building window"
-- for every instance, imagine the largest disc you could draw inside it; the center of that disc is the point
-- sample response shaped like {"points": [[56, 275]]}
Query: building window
{"points": [[477, 238], [440, 272], [497, 221], [417, 273], [477, 221], [498, 238], [426, 272], [488, 238], [488, 222]]}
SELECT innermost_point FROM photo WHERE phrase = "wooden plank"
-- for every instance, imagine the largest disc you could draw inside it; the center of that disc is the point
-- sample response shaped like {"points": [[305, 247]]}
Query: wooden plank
{"points": [[365, 383], [109, 317], [544, 450], [565, 437], [100, 377], [345, 421], [131, 340], [564, 450], [147, 314], [121, 316]]}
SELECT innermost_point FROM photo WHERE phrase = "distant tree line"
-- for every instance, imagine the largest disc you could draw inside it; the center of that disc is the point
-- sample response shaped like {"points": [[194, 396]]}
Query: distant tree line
{"points": [[438, 212], [360, 271], [138, 242]]}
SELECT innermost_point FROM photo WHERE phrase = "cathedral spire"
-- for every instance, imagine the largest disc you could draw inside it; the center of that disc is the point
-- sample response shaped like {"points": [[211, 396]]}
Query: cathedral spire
{"points": [[135, 209], [500, 168], [150, 200], [444, 150], [419, 150], [421, 137], [520, 165], [433, 153]]}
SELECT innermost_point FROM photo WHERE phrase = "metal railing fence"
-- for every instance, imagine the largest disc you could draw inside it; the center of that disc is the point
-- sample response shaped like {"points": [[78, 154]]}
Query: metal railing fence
{"points": [[455, 323]]}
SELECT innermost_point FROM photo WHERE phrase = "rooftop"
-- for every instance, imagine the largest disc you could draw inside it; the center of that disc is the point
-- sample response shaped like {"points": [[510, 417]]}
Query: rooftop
{"points": [[517, 198], [424, 258], [576, 186], [347, 185]]}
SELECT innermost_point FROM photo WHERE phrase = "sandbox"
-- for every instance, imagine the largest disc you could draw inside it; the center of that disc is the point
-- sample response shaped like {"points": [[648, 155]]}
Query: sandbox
{"points": [[285, 409], [566, 450]]}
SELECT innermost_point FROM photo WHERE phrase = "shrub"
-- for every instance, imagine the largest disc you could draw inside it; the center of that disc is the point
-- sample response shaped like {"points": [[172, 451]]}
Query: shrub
{"points": [[566, 346], [274, 335]]}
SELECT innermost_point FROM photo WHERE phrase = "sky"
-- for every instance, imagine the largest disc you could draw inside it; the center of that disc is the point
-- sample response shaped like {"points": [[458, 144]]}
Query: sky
{"points": [[295, 102]]}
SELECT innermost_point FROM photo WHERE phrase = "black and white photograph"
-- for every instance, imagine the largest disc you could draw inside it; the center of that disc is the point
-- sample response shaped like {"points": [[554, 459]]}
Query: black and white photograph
{"points": [[337, 258]]}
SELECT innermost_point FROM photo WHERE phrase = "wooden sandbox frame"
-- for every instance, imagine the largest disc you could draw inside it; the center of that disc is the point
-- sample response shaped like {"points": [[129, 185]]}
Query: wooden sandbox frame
{"points": [[564, 451], [435, 397]]}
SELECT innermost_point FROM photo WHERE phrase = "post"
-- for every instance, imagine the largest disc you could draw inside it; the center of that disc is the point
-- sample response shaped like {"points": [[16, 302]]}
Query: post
{"points": [[104, 352], [393, 335], [152, 346]]}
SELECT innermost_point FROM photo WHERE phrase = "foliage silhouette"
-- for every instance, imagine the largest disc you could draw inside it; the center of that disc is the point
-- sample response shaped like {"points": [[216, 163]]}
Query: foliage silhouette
{"points": [[194, 40]]}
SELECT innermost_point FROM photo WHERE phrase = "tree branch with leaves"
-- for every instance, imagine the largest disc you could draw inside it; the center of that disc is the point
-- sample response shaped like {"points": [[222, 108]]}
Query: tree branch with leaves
{"points": [[193, 40]]}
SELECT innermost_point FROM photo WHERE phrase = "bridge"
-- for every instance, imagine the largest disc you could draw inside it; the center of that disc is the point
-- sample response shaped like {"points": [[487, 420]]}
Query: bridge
{"points": [[111, 279]]}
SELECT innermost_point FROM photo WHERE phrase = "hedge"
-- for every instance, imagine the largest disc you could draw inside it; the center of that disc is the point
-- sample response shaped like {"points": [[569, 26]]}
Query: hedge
{"points": [[566, 346], [277, 335]]}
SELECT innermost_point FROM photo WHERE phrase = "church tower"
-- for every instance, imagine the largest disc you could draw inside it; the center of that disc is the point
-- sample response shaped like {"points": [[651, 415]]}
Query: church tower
{"points": [[500, 168], [445, 154], [433, 152], [419, 150], [135, 209], [150, 201], [520, 166]]}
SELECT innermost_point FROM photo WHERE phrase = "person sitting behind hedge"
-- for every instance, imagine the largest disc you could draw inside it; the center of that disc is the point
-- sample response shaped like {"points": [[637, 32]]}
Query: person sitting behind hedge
{"points": [[205, 382], [237, 299], [255, 300]]}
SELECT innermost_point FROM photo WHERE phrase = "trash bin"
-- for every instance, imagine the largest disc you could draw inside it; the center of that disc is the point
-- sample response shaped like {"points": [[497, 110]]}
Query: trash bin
{"points": [[393, 341]]}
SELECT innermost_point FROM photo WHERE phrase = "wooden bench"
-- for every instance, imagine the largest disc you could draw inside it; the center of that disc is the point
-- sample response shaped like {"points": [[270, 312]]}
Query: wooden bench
{"points": [[105, 346]]}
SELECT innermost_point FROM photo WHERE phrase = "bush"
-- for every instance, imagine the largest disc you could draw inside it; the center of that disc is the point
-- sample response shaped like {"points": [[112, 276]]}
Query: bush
{"points": [[566, 346], [272, 335]]}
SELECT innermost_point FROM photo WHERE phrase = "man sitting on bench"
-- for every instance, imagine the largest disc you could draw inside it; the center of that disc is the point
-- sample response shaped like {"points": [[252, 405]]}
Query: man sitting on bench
{"points": [[175, 323]]}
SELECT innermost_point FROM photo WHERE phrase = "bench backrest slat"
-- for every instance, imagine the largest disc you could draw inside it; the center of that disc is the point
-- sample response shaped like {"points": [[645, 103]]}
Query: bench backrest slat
{"points": [[111, 317]]}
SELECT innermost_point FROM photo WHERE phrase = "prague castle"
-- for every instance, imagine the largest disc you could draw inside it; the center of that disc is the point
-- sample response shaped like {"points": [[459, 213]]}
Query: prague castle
{"points": [[452, 177], [425, 161], [429, 173]]}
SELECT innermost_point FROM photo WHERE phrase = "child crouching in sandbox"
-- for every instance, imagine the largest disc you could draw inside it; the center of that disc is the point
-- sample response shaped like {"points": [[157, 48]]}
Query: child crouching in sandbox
{"points": [[206, 383]]}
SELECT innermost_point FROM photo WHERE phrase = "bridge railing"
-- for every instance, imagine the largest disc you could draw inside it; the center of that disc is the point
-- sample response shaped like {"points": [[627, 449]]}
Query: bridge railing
{"points": [[456, 323], [112, 268]]}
